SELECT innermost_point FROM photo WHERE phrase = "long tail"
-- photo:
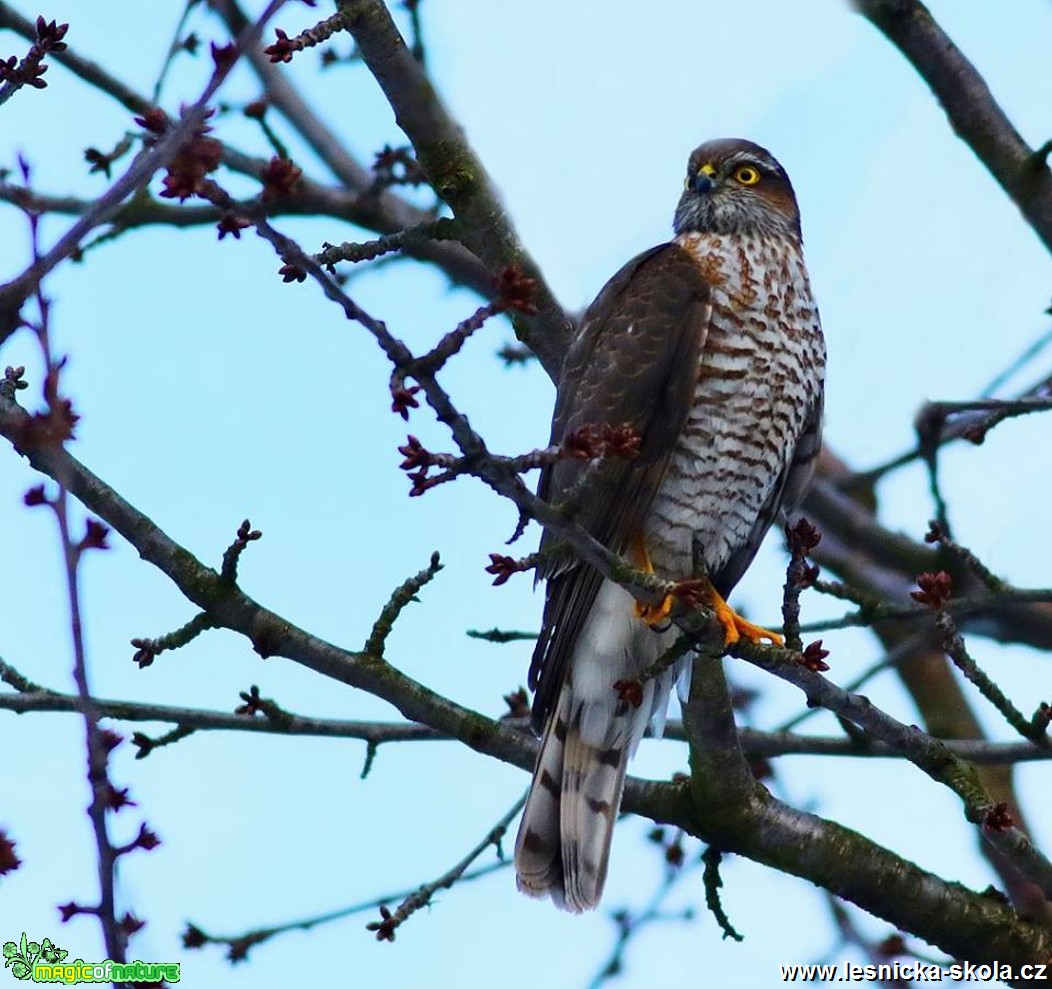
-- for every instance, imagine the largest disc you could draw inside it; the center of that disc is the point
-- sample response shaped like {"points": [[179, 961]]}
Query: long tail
{"points": [[591, 732], [563, 845]]}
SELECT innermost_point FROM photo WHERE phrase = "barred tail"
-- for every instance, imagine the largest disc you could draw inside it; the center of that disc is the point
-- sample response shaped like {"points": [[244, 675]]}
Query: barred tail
{"points": [[563, 844]]}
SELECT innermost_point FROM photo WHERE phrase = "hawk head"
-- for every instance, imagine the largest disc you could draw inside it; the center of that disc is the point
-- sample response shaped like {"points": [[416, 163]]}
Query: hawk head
{"points": [[736, 187]]}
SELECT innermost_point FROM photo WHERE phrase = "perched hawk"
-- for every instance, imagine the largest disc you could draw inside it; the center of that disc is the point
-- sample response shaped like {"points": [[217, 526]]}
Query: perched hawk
{"points": [[710, 348]]}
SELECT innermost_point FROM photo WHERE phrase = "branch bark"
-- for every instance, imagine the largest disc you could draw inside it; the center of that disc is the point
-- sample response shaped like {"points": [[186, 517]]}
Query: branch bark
{"points": [[972, 111], [722, 803], [455, 171], [726, 807], [743, 818]]}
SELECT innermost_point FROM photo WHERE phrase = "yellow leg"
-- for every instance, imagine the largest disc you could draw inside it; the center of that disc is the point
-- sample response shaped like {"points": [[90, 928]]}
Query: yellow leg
{"points": [[701, 592], [653, 615], [734, 626]]}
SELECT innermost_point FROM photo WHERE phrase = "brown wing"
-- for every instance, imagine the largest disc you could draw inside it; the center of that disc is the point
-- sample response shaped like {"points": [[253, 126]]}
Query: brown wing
{"points": [[633, 362]]}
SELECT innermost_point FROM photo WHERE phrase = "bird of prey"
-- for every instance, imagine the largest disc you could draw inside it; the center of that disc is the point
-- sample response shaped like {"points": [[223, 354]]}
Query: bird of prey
{"points": [[709, 349]]}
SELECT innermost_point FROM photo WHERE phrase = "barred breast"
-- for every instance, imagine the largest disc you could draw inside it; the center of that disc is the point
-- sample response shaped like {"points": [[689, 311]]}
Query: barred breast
{"points": [[759, 377]]}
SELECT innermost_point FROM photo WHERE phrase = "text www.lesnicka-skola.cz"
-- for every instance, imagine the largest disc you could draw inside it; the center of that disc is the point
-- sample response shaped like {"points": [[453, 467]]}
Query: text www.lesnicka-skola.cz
{"points": [[914, 972]]}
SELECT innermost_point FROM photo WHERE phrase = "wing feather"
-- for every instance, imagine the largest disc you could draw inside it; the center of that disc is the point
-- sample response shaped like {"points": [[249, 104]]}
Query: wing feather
{"points": [[633, 362]]}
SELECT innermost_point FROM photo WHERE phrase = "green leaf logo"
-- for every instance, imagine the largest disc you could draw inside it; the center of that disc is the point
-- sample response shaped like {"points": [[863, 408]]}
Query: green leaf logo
{"points": [[50, 954], [21, 957]]}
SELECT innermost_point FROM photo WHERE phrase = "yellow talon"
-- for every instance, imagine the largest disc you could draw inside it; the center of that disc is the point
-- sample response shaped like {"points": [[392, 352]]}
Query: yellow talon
{"points": [[700, 592], [735, 627], [653, 615]]}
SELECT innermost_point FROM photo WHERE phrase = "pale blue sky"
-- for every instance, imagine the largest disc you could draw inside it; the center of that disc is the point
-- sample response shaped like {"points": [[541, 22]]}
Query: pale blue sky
{"points": [[210, 391]]}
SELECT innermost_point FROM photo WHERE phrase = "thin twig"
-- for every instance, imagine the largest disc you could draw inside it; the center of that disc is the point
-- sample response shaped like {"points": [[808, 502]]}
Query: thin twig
{"points": [[955, 648], [13, 678], [385, 928], [102, 790], [403, 595], [199, 719], [31, 69], [239, 945], [174, 48], [712, 857], [970, 607], [290, 102], [14, 293], [929, 430], [331, 254], [416, 25], [245, 535], [629, 925], [91, 72], [801, 537], [970, 420], [147, 650], [992, 582], [1031, 351], [767, 744]]}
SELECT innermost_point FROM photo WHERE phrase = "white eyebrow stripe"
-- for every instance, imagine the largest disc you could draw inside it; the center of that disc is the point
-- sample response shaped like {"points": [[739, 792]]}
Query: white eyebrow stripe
{"points": [[748, 158]]}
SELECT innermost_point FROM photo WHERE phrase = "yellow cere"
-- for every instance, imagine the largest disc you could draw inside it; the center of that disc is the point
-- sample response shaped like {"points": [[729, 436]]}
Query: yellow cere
{"points": [[747, 175], [707, 169]]}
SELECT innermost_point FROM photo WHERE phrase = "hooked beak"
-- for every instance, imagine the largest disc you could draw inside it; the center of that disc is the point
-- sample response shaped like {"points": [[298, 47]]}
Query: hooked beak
{"points": [[704, 180], [703, 183]]}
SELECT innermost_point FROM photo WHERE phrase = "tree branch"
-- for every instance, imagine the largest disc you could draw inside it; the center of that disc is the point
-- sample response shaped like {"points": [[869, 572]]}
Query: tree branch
{"points": [[378, 210], [454, 170], [763, 744], [285, 98], [970, 106], [726, 807], [91, 72], [14, 293], [882, 883]]}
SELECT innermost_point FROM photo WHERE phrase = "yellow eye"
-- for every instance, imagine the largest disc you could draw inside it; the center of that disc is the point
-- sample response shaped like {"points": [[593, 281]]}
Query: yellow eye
{"points": [[747, 175]]}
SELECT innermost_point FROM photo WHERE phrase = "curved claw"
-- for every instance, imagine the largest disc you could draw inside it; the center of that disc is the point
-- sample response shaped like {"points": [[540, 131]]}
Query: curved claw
{"points": [[735, 627], [701, 592], [696, 592], [655, 615]]}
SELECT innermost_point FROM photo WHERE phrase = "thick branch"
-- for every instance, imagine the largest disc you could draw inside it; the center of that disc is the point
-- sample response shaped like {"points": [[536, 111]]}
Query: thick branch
{"points": [[725, 806], [973, 112], [962, 923], [801, 844], [453, 170]]}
